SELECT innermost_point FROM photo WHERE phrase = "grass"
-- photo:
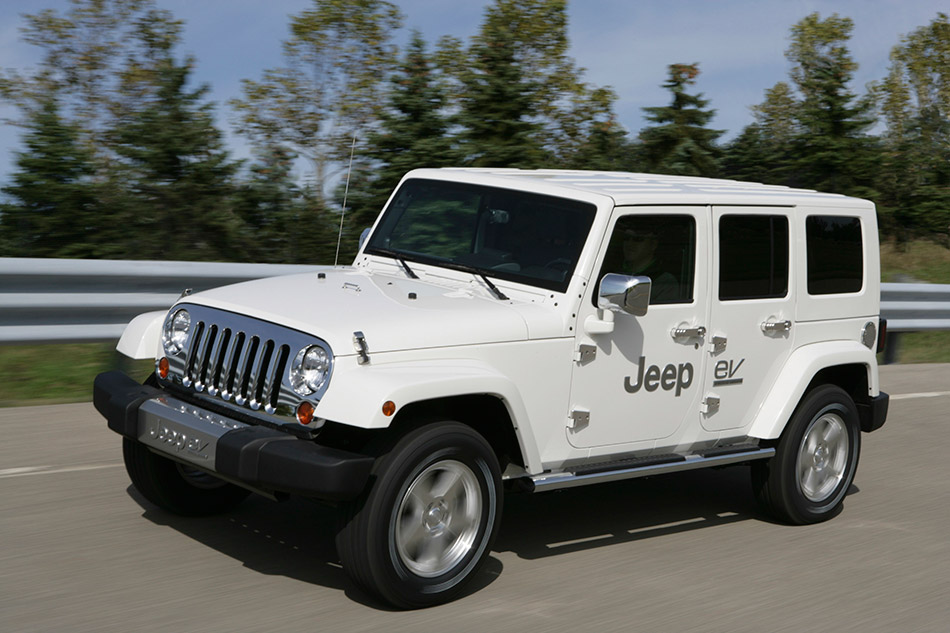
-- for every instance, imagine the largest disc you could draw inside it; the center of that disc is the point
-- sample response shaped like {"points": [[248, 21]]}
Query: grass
{"points": [[51, 373], [920, 261], [57, 373]]}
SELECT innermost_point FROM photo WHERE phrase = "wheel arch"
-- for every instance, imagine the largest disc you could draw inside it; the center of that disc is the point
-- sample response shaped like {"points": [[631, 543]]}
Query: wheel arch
{"points": [[469, 392], [847, 364]]}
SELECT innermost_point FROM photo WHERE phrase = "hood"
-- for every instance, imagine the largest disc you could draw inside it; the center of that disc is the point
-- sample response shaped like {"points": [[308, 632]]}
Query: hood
{"points": [[347, 300]]}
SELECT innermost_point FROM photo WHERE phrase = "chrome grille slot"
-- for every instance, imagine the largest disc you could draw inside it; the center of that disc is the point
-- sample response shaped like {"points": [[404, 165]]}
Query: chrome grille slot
{"points": [[242, 361], [256, 384], [234, 357], [196, 349], [271, 386], [217, 359]]}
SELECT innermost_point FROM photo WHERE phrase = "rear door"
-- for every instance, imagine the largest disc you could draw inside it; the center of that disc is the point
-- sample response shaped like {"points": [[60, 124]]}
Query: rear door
{"points": [[751, 310]]}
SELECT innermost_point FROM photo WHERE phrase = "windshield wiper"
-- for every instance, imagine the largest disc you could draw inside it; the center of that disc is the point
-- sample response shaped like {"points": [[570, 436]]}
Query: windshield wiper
{"points": [[471, 269], [398, 258]]}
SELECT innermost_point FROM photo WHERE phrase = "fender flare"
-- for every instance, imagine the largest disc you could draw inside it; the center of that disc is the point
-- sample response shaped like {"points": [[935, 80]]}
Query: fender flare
{"points": [[801, 367], [359, 391], [142, 336]]}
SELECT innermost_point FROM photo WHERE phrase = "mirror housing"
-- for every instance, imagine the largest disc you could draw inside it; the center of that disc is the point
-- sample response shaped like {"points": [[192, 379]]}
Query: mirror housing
{"points": [[623, 293], [363, 237]]}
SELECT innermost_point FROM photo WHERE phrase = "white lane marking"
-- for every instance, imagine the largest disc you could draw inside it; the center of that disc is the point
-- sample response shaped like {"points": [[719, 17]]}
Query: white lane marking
{"points": [[923, 394], [49, 470]]}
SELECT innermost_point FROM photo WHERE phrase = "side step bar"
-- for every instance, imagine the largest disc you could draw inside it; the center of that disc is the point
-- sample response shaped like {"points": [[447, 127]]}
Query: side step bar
{"points": [[630, 469]]}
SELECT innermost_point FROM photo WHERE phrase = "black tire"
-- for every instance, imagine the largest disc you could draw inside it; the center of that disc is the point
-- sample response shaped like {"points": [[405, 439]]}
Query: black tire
{"points": [[815, 460], [175, 487], [437, 491]]}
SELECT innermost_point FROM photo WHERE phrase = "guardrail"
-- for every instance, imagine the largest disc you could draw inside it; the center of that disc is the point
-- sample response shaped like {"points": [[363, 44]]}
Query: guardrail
{"points": [[77, 300], [55, 300]]}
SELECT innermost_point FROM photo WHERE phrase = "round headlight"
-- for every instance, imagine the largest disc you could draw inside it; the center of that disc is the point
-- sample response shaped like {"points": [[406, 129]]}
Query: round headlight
{"points": [[176, 331], [309, 370]]}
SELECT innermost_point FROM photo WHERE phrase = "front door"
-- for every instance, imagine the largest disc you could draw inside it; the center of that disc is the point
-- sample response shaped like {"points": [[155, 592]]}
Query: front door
{"points": [[636, 384], [752, 307]]}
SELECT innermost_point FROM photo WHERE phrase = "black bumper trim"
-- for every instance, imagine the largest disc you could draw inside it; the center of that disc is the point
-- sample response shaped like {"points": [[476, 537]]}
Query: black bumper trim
{"points": [[874, 414], [258, 456]]}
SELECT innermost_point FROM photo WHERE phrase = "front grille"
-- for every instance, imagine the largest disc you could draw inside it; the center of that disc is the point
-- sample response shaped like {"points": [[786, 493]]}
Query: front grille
{"points": [[237, 365], [240, 360]]}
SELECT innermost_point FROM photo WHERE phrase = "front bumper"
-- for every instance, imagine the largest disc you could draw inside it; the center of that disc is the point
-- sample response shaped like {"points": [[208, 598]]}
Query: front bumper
{"points": [[256, 456]]}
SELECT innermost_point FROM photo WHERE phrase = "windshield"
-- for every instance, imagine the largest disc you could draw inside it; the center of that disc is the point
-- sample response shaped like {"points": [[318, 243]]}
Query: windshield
{"points": [[523, 237]]}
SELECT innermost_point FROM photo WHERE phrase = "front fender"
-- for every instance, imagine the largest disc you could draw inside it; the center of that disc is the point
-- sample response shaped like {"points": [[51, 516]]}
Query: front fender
{"points": [[357, 392], [798, 372], [142, 335]]}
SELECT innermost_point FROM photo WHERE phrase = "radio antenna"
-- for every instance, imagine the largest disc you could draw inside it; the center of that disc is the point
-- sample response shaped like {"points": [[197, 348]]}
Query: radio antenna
{"points": [[346, 191]]}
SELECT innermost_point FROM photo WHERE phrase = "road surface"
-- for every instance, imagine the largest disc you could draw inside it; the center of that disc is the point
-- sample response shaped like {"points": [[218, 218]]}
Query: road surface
{"points": [[80, 550]]}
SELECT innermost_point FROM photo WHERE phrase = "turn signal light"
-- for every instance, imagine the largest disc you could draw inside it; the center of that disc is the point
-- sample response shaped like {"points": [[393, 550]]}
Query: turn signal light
{"points": [[389, 407], [305, 413], [163, 368]]}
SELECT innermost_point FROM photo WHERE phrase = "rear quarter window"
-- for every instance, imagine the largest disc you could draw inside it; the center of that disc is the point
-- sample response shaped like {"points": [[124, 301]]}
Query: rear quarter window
{"points": [[835, 251]]}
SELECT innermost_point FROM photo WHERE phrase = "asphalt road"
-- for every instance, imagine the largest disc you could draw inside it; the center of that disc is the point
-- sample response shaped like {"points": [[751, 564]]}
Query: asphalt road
{"points": [[81, 551]]}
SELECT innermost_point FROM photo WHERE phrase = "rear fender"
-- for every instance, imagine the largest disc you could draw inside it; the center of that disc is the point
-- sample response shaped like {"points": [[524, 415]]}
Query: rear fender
{"points": [[798, 372]]}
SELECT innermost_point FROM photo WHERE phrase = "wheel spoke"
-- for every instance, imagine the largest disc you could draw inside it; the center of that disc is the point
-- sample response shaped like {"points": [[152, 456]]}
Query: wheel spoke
{"points": [[445, 483]]}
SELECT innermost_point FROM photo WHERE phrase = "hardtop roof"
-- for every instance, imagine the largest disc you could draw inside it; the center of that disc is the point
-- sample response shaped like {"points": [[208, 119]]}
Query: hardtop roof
{"points": [[633, 188]]}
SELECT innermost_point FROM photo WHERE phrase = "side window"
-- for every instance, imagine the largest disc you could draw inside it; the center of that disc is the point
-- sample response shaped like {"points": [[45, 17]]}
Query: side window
{"points": [[661, 247], [753, 257], [835, 254]]}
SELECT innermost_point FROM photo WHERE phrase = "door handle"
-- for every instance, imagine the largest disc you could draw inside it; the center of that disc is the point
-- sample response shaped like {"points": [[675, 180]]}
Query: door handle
{"points": [[776, 326], [688, 332]]}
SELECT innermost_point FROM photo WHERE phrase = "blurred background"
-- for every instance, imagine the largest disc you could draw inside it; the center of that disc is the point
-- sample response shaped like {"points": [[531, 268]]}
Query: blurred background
{"points": [[220, 131]]}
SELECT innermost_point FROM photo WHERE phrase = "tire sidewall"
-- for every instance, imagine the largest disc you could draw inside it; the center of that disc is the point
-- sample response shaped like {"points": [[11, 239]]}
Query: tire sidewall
{"points": [[820, 402], [398, 471]]}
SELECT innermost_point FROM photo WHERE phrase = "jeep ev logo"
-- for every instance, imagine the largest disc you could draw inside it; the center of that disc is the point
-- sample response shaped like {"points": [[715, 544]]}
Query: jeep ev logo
{"points": [[678, 376]]}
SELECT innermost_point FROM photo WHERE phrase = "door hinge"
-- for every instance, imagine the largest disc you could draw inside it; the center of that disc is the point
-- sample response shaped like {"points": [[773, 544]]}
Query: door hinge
{"points": [[710, 404], [579, 418], [718, 344], [585, 353]]}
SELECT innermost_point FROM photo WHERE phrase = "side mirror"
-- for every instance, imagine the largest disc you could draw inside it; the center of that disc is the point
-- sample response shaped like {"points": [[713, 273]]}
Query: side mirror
{"points": [[622, 293], [363, 237]]}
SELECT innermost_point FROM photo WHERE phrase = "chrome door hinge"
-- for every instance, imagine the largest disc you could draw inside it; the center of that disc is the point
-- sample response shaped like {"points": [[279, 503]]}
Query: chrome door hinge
{"points": [[585, 353], [359, 344], [578, 419], [710, 404], [718, 344]]}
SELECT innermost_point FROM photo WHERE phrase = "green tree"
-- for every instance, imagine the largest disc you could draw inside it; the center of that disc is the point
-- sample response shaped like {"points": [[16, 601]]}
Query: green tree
{"points": [[178, 175], [915, 101], [832, 151], [413, 132], [53, 210], [498, 108], [86, 51], [330, 88], [679, 142], [762, 151]]}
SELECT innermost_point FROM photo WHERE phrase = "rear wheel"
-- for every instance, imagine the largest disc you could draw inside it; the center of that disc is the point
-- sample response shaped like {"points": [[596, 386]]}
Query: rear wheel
{"points": [[426, 526], [815, 461], [175, 487]]}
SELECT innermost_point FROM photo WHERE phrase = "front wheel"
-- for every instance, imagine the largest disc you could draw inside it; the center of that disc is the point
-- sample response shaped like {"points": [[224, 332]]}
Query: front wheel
{"points": [[426, 526], [815, 460]]}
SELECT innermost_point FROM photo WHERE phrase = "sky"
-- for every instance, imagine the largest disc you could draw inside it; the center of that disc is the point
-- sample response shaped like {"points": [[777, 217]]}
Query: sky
{"points": [[626, 44]]}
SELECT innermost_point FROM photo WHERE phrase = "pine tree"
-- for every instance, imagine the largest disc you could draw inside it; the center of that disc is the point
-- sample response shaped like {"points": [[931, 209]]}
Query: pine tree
{"points": [[53, 210], [497, 109], [915, 98], [413, 133], [762, 151], [831, 150], [178, 174], [679, 142]]}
